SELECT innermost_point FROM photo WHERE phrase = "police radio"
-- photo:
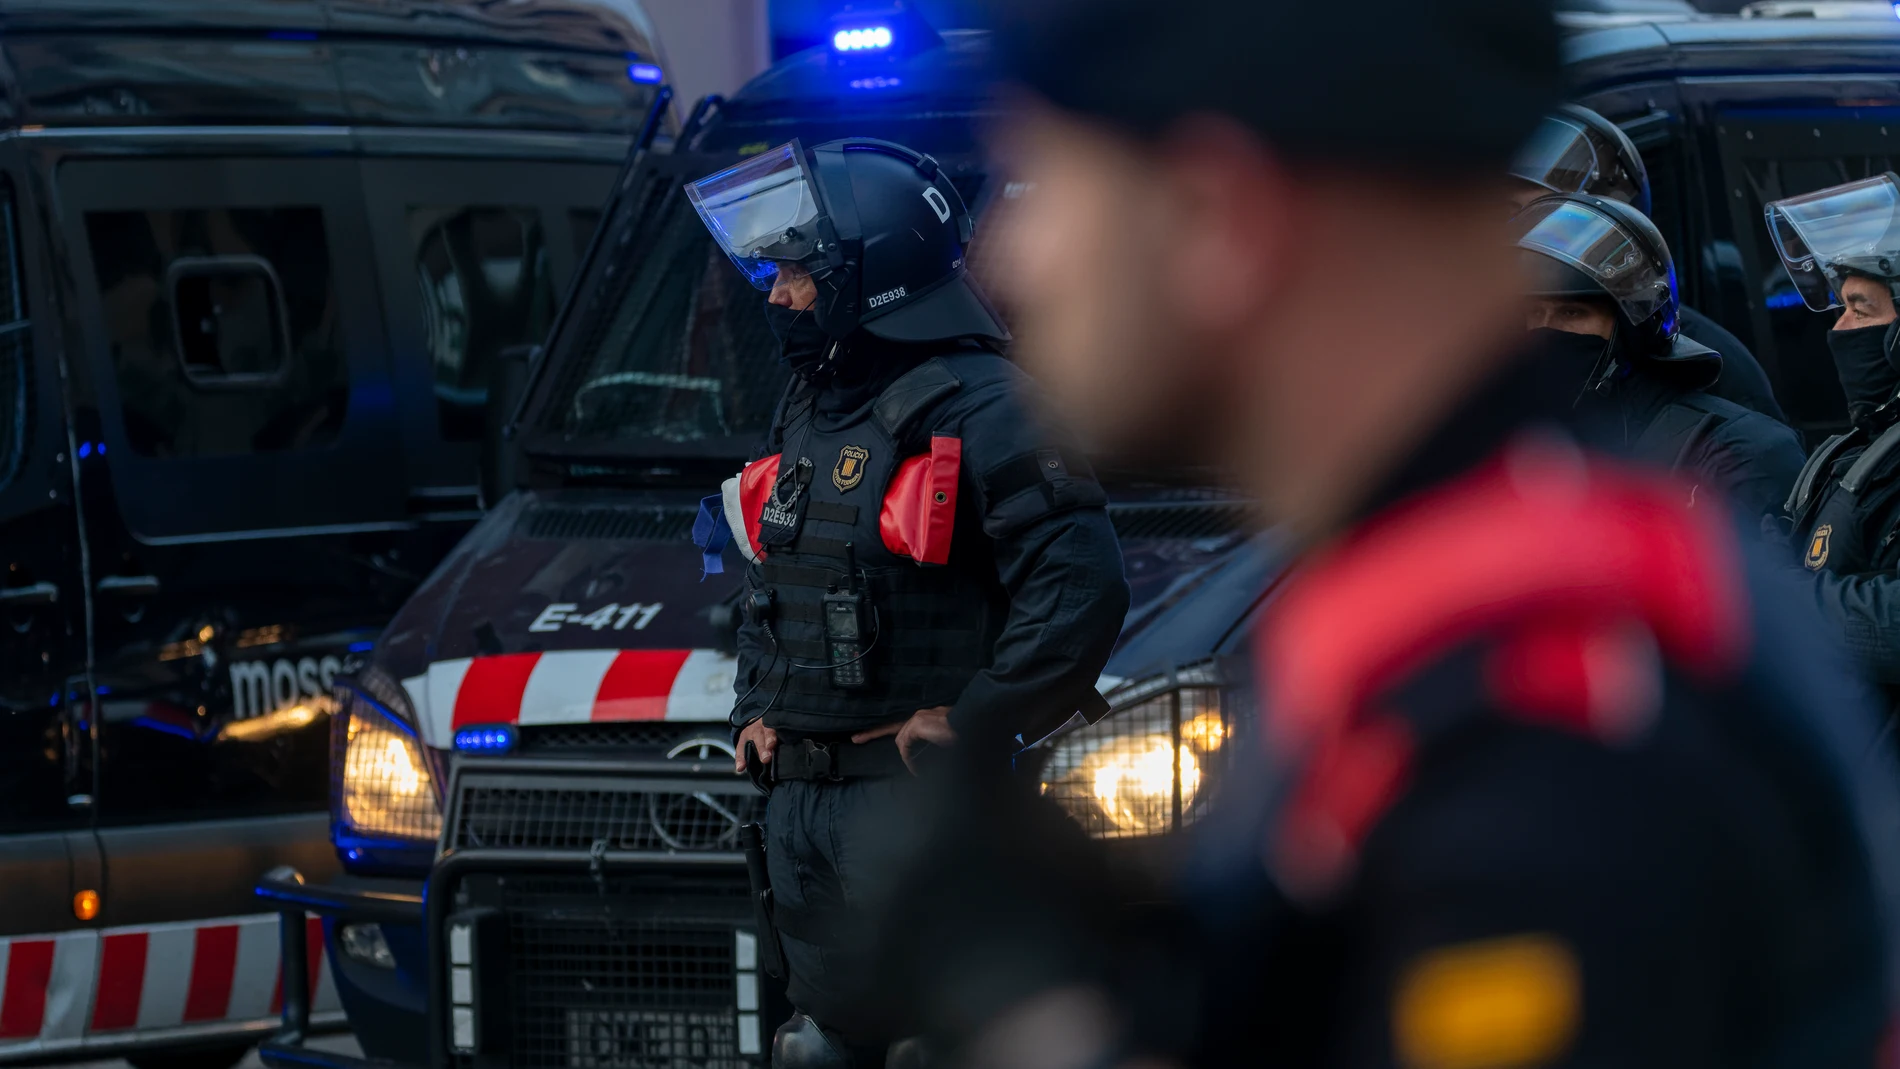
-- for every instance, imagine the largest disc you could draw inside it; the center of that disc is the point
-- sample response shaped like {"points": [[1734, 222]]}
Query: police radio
{"points": [[844, 628]]}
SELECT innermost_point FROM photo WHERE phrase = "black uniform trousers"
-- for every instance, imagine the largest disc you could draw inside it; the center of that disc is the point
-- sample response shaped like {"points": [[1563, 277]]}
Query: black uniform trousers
{"points": [[823, 853]]}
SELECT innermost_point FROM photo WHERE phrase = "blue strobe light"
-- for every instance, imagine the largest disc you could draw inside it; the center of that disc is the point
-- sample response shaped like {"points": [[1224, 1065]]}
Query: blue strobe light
{"points": [[862, 39], [491, 738]]}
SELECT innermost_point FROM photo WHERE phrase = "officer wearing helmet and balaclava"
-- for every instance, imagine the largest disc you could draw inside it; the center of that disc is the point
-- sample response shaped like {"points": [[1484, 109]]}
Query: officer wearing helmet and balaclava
{"points": [[1603, 301], [1842, 248], [929, 565], [1576, 150]]}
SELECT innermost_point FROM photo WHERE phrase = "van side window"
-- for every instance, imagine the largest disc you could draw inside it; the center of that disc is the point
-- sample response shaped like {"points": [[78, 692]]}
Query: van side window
{"points": [[16, 344], [223, 326], [485, 286], [229, 314]]}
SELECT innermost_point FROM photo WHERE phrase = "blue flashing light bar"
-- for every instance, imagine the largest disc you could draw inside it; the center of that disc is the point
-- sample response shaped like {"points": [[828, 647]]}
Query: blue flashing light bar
{"points": [[863, 39], [494, 738], [644, 72]]}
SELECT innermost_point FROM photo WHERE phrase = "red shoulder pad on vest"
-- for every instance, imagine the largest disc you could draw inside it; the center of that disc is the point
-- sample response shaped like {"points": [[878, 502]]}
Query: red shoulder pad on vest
{"points": [[1577, 578], [744, 497], [920, 507]]}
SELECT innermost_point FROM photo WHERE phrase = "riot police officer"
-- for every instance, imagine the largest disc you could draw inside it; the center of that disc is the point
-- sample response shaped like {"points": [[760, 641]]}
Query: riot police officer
{"points": [[1545, 772], [1841, 246], [929, 565], [1612, 322], [1577, 150]]}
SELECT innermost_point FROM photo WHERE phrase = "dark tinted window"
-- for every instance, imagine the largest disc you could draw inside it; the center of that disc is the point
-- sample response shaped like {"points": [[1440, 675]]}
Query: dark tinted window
{"points": [[229, 313], [581, 223], [190, 315], [679, 351], [16, 363], [485, 285]]}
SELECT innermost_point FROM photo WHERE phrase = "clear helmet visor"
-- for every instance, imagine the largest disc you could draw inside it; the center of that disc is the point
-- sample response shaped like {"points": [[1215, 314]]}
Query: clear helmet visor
{"points": [[1599, 248], [761, 212], [1560, 156], [1826, 235]]}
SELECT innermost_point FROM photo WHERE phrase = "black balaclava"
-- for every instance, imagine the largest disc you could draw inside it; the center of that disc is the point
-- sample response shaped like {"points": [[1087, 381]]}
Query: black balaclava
{"points": [[1582, 358], [1867, 371], [803, 344]]}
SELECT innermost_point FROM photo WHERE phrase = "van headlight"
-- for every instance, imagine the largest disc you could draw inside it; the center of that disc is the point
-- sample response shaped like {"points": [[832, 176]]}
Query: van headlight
{"points": [[1150, 765], [384, 787]]}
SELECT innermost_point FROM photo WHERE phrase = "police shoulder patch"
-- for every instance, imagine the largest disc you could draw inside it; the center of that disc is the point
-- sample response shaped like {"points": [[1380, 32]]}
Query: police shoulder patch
{"points": [[849, 471], [1818, 545], [1504, 1003]]}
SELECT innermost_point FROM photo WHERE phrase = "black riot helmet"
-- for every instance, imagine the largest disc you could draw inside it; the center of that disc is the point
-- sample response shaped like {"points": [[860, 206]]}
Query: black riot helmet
{"points": [[1828, 235], [878, 225], [1575, 150], [1577, 245]]}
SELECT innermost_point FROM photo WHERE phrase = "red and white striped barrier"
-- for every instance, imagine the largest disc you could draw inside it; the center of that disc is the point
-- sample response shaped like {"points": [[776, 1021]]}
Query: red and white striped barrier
{"points": [[570, 687], [102, 987]]}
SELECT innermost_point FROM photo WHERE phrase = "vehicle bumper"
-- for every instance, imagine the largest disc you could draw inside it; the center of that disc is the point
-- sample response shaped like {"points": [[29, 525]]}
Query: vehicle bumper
{"points": [[675, 911], [387, 1008]]}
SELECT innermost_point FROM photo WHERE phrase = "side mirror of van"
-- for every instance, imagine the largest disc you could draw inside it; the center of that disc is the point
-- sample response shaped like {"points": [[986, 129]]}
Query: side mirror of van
{"points": [[507, 377]]}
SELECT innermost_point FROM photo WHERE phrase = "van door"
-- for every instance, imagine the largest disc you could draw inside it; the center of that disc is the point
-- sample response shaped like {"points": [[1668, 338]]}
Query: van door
{"points": [[47, 849], [475, 256], [249, 527]]}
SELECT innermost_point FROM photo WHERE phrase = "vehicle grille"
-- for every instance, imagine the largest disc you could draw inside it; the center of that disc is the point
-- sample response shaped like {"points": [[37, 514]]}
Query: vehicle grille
{"points": [[517, 812], [1185, 520], [631, 973], [612, 522], [593, 738]]}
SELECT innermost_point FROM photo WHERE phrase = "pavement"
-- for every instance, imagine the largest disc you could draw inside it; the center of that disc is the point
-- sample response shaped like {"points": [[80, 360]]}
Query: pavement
{"points": [[343, 1044]]}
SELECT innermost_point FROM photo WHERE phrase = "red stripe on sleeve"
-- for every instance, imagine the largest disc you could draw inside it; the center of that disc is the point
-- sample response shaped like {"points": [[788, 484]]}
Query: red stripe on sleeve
{"points": [[213, 969], [29, 970], [636, 685], [121, 980], [491, 691]]}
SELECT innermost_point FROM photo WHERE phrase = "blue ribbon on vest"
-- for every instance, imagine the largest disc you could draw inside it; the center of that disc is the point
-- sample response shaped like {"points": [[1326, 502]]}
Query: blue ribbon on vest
{"points": [[711, 532]]}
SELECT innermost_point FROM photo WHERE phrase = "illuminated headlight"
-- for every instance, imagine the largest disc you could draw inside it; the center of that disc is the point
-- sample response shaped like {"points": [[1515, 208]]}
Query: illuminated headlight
{"points": [[1149, 766], [384, 788]]}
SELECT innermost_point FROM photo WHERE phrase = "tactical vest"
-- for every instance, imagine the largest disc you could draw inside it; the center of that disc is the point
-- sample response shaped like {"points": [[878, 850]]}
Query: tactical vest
{"points": [[1839, 499], [882, 493]]}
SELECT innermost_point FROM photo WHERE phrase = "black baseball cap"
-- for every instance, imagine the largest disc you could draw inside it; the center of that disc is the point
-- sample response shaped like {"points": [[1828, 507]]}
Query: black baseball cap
{"points": [[1425, 88]]}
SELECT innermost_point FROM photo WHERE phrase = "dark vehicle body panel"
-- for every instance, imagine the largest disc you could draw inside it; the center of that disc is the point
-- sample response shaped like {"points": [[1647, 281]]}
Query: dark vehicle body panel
{"points": [[193, 554]]}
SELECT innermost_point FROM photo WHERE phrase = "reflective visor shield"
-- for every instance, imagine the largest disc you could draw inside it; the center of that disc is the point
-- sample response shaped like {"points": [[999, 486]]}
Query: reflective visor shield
{"points": [[1826, 235], [1595, 245], [1565, 156], [1559, 156], [761, 212]]}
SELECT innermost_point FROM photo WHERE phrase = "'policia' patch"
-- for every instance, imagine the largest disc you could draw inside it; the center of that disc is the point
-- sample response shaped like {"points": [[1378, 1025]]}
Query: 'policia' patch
{"points": [[849, 471], [1818, 546]]}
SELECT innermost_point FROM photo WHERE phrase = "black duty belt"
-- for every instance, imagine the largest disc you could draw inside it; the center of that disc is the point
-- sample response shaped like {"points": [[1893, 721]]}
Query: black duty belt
{"points": [[810, 759]]}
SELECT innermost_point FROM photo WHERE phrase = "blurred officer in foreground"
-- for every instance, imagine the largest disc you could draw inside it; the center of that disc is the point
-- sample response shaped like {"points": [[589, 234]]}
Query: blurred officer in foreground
{"points": [[1842, 248], [928, 566], [1548, 773], [1576, 150], [1603, 306]]}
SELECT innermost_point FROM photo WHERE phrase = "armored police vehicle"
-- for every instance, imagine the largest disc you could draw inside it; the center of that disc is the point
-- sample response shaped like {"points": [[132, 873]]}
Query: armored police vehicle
{"points": [[257, 260], [535, 807]]}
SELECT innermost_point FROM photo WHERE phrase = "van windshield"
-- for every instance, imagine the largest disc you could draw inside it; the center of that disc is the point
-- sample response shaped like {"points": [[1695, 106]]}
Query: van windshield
{"points": [[669, 356], [675, 358]]}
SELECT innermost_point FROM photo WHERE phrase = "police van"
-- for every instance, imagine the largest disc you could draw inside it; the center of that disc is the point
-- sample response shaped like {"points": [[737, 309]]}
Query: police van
{"points": [[257, 263], [535, 810]]}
